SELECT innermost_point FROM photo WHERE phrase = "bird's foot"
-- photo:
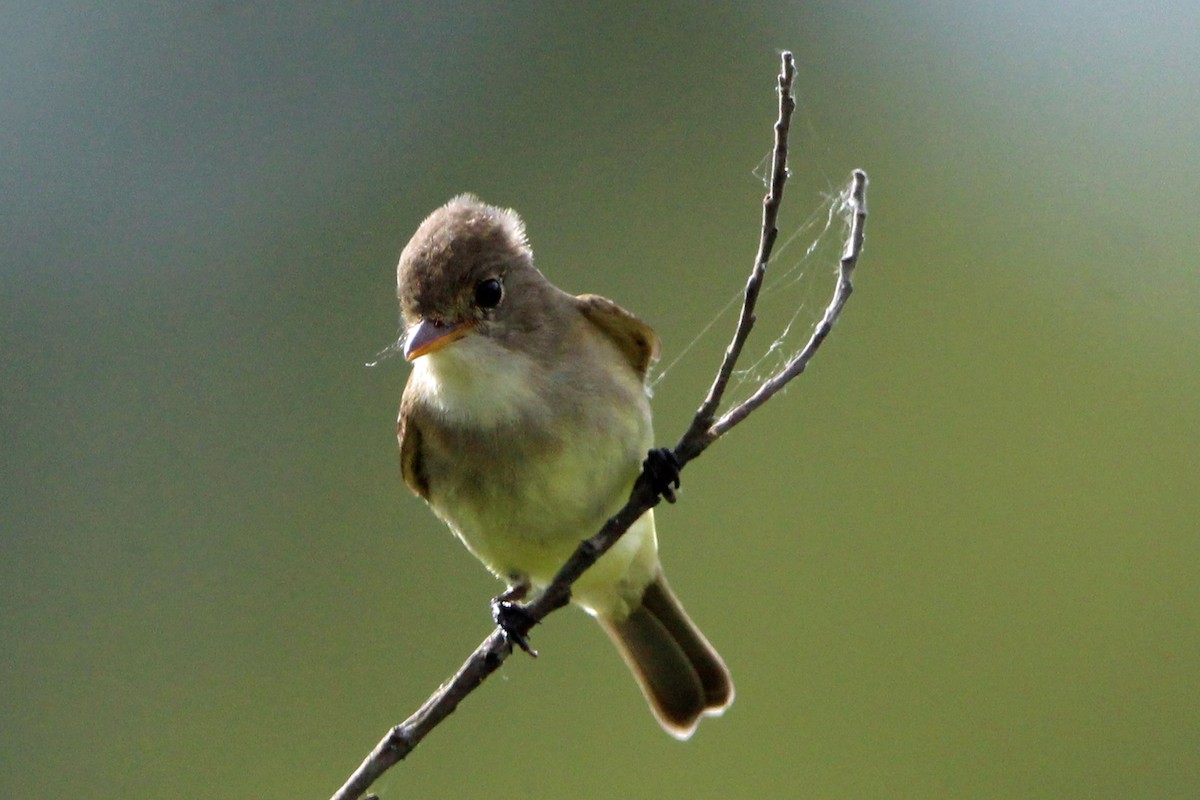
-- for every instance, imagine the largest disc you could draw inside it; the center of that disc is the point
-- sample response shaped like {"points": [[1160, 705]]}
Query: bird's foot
{"points": [[512, 618], [663, 468]]}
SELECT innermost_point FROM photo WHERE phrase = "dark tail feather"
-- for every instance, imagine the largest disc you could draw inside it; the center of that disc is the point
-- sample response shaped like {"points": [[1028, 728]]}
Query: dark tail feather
{"points": [[682, 676]]}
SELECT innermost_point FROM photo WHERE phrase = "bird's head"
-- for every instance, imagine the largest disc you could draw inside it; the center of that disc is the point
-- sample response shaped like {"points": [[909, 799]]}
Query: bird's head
{"points": [[467, 271]]}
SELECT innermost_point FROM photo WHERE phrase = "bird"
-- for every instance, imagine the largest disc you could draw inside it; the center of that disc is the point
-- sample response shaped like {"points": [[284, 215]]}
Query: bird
{"points": [[524, 423]]}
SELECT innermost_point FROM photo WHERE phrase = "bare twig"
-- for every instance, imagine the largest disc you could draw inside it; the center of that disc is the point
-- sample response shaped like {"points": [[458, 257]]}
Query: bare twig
{"points": [[698, 436], [488, 657], [856, 202]]}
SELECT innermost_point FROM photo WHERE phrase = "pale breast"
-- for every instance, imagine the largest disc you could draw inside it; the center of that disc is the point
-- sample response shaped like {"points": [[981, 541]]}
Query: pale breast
{"points": [[523, 464]]}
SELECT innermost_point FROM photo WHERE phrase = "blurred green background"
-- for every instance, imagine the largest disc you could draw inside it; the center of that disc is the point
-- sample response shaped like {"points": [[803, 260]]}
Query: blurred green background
{"points": [[960, 558]]}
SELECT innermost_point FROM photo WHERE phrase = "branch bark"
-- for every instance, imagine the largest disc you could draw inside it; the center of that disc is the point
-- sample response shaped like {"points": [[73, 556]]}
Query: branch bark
{"points": [[703, 431]]}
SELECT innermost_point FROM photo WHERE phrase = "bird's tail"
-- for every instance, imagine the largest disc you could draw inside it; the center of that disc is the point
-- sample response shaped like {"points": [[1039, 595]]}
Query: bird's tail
{"points": [[681, 675]]}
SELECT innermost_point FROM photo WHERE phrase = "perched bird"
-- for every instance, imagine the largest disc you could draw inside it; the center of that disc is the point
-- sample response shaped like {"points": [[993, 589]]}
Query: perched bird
{"points": [[524, 424]]}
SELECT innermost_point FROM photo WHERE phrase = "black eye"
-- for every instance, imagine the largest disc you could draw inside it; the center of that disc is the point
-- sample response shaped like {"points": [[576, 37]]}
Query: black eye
{"points": [[488, 293]]}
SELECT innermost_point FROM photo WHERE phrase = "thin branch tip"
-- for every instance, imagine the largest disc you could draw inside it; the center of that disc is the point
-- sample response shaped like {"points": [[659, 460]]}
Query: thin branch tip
{"points": [[857, 212], [702, 420]]}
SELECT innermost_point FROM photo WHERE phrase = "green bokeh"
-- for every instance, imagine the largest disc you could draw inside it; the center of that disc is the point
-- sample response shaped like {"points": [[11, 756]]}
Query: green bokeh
{"points": [[959, 558]]}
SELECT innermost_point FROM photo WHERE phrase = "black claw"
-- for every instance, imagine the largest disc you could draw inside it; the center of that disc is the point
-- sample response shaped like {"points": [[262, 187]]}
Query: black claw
{"points": [[514, 620], [663, 468]]}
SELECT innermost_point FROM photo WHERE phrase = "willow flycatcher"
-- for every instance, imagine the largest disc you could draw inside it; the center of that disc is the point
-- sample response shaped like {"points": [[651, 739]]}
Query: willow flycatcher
{"points": [[524, 424]]}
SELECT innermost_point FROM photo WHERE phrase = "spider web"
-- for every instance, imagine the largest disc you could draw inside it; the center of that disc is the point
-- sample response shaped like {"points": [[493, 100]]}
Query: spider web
{"points": [[799, 281]]}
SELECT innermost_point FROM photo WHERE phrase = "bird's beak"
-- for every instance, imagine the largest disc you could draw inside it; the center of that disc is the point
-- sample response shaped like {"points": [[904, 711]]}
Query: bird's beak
{"points": [[426, 337]]}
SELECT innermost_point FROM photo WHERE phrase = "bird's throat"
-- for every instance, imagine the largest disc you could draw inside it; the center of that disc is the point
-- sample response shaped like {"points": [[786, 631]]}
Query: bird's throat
{"points": [[476, 382]]}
